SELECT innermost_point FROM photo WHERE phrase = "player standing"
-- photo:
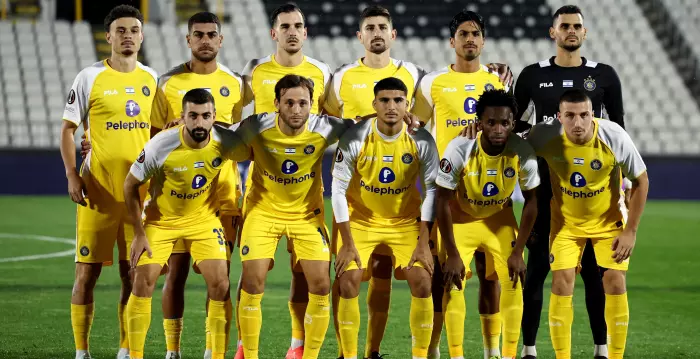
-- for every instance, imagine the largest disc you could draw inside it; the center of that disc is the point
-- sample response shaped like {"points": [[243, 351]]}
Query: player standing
{"points": [[537, 91], [112, 100], [481, 174], [376, 203], [183, 165], [351, 95], [261, 75], [446, 100], [585, 157]]}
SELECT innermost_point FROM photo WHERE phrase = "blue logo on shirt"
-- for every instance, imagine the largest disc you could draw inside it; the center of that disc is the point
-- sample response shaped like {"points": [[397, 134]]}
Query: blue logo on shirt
{"points": [[490, 189], [198, 181], [577, 180], [470, 105], [132, 108], [386, 175], [289, 167]]}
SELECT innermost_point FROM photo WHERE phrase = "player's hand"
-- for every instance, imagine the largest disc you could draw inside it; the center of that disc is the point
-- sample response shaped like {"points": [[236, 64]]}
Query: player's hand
{"points": [[412, 121], [505, 75], [454, 272], [85, 146], [365, 117], [77, 189], [422, 255], [517, 268], [346, 255], [172, 124], [138, 246], [623, 246], [469, 131]]}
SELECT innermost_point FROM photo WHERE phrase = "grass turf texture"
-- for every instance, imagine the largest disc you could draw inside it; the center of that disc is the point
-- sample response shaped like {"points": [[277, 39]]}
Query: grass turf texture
{"points": [[35, 295]]}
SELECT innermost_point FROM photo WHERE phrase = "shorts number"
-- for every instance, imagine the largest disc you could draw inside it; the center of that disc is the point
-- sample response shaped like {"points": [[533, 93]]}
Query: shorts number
{"points": [[219, 235]]}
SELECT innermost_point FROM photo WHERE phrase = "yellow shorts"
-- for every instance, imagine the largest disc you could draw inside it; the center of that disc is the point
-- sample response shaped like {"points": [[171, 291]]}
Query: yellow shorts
{"points": [[565, 253], [230, 228], [204, 241], [494, 235], [400, 243], [260, 236]]}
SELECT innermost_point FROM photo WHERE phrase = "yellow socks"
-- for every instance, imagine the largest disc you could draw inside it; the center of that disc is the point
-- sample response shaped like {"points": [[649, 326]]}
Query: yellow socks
{"points": [[207, 334], [454, 310], [437, 330], [421, 320], [491, 333], [561, 316], [123, 337], [335, 297], [378, 301], [173, 332], [81, 319], [316, 324], [217, 326], [617, 316], [349, 325], [297, 312], [512, 315], [250, 314], [138, 314]]}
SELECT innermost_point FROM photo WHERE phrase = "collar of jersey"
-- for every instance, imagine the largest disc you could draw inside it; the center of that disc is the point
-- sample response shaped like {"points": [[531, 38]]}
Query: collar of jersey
{"points": [[362, 64], [277, 125], [450, 69], [384, 137], [552, 63], [274, 61], [595, 134], [184, 144], [189, 70], [110, 68]]}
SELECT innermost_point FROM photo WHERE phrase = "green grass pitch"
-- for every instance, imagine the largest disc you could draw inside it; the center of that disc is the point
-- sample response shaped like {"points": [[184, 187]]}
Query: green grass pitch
{"points": [[663, 282]]}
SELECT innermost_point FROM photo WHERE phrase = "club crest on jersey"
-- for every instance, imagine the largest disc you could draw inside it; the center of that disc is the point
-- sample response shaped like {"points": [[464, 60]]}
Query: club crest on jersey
{"points": [[146, 91], [407, 158], [596, 165], [245, 250], [132, 108], [490, 189], [589, 83], [71, 97], [338, 155], [445, 165], [84, 251], [509, 172], [289, 167], [309, 149], [470, 105], [224, 91], [386, 175], [577, 180], [216, 162], [142, 156], [488, 87], [551, 258], [198, 181]]}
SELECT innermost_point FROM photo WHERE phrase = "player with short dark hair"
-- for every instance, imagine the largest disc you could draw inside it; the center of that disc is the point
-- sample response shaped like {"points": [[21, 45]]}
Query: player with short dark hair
{"points": [[537, 91]]}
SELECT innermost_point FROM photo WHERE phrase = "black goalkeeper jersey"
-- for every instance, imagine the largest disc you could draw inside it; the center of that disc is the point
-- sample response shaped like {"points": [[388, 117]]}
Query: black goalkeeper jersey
{"points": [[540, 86]]}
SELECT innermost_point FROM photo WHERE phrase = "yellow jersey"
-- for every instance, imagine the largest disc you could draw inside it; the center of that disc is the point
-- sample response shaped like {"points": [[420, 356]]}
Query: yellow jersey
{"points": [[352, 88], [225, 86], [183, 180], [115, 110], [261, 76], [587, 201], [446, 101], [484, 183], [378, 176], [285, 182]]}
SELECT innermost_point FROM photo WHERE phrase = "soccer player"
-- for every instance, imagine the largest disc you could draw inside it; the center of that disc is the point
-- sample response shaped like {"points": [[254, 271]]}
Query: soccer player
{"points": [[112, 100], [201, 71], [481, 174], [537, 91], [261, 75], [351, 95], [376, 202], [586, 156], [183, 166], [446, 100]]}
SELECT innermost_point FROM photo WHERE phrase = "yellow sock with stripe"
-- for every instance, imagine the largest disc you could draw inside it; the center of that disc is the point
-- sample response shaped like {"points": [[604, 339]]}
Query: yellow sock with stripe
{"points": [[512, 314], [335, 297], [561, 316], [297, 312], [138, 314], [617, 317], [123, 336], [173, 333], [421, 321], [378, 301], [81, 316], [250, 316], [316, 324], [437, 330], [217, 326], [454, 310], [349, 325]]}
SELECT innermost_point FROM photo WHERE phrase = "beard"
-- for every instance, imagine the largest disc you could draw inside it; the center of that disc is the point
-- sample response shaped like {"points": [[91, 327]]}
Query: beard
{"points": [[570, 47], [128, 52], [380, 48], [471, 56], [292, 124], [205, 58], [198, 134]]}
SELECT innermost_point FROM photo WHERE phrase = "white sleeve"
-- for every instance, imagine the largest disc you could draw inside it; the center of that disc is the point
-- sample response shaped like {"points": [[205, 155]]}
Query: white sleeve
{"points": [[626, 154], [146, 165], [452, 163], [339, 189], [528, 175], [429, 162], [346, 157], [78, 101]]}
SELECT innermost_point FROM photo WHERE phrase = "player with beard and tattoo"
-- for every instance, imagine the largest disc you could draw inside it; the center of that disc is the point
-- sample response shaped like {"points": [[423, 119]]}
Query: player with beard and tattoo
{"points": [[537, 92]]}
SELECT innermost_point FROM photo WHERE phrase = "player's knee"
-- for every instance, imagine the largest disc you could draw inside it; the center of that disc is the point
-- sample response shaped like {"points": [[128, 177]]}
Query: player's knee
{"points": [[319, 285], [86, 275], [218, 289], [349, 284], [614, 281], [421, 288], [563, 281]]}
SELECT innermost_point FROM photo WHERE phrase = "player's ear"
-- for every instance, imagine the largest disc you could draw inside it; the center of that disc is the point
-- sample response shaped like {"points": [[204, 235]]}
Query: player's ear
{"points": [[393, 34], [374, 104], [108, 37], [221, 40], [551, 33], [305, 31], [452, 42], [273, 34], [585, 31], [359, 35], [277, 105]]}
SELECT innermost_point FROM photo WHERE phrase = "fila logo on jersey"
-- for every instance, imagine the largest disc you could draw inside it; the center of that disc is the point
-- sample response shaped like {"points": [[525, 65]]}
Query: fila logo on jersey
{"points": [[445, 165], [71, 97], [596, 165], [470, 105], [359, 86], [224, 91], [132, 108], [509, 172], [386, 175], [449, 89], [198, 181], [110, 92], [338, 155], [142, 157], [490, 189], [289, 167], [545, 84], [269, 82], [577, 180]]}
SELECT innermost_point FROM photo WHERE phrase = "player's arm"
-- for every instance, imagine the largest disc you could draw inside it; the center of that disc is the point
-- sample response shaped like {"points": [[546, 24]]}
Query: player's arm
{"points": [[247, 75], [423, 103], [141, 171], [505, 75], [343, 171], [159, 112], [77, 106], [331, 104], [612, 99], [522, 97]]}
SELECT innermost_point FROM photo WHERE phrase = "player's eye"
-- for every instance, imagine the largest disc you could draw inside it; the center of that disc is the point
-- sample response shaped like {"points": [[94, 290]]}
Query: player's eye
{"points": [[578, 26]]}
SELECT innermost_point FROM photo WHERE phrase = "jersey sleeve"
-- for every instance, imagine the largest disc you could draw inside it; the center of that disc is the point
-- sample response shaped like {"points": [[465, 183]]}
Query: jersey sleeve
{"points": [[423, 103], [452, 163], [332, 104], [333, 128], [626, 154], [234, 147], [612, 98], [146, 165], [429, 163], [528, 175], [78, 101], [346, 154]]}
